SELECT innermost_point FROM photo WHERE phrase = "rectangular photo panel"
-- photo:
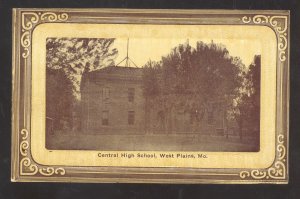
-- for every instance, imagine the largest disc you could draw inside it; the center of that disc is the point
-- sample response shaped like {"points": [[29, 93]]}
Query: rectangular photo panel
{"points": [[180, 96]]}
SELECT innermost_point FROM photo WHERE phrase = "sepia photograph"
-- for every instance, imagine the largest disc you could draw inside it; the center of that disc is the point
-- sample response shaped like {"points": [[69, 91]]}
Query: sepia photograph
{"points": [[159, 94], [181, 96]]}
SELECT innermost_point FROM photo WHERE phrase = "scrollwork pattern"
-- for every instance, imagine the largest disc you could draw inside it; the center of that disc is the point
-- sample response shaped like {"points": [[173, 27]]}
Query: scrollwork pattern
{"points": [[29, 20], [279, 28], [24, 148], [279, 24], [63, 17], [25, 42], [27, 167], [50, 16], [257, 19], [277, 171]]}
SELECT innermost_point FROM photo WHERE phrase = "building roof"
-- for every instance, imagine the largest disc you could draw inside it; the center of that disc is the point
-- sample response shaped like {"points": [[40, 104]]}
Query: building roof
{"points": [[118, 70], [114, 72]]}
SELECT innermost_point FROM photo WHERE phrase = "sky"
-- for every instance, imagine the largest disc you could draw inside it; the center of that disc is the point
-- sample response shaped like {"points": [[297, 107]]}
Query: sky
{"points": [[142, 50]]}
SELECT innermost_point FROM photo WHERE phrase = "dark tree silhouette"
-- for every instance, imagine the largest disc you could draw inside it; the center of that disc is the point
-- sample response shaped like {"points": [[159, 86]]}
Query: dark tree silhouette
{"points": [[247, 108], [191, 78], [59, 98]]}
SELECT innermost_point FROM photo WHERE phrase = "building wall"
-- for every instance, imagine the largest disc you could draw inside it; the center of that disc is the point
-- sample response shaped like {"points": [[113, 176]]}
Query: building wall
{"points": [[117, 104]]}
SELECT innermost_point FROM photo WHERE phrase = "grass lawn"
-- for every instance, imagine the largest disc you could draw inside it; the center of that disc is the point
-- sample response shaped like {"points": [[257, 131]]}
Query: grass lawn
{"points": [[152, 142]]}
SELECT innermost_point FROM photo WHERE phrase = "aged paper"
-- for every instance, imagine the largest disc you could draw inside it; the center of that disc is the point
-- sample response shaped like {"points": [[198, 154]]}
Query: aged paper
{"points": [[155, 97]]}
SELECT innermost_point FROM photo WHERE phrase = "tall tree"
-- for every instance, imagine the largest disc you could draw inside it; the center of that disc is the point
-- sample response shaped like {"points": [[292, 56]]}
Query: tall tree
{"points": [[191, 78], [246, 107], [151, 87]]}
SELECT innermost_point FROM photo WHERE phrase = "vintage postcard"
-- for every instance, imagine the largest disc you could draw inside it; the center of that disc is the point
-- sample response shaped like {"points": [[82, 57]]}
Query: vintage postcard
{"points": [[150, 96]]}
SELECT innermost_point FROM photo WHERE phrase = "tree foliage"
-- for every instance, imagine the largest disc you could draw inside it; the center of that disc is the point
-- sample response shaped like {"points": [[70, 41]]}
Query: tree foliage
{"points": [[246, 109], [191, 78], [78, 55]]}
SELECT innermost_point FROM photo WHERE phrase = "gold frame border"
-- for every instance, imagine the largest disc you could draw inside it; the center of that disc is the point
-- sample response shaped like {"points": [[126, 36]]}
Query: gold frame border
{"points": [[22, 163], [278, 169]]}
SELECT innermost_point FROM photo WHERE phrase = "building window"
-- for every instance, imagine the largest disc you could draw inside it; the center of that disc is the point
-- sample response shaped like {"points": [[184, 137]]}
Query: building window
{"points": [[105, 118], [105, 93], [210, 117], [131, 117], [131, 92]]}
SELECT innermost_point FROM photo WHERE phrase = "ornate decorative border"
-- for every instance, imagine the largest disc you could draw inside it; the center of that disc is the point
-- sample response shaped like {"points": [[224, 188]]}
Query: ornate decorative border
{"points": [[278, 23], [278, 170], [27, 166], [30, 20]]}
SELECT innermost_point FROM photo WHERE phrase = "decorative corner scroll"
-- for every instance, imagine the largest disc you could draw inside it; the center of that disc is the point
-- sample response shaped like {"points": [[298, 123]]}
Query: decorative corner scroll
{"points": [[27, 167], [30, 20], [279, 24], [276, 171]]}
